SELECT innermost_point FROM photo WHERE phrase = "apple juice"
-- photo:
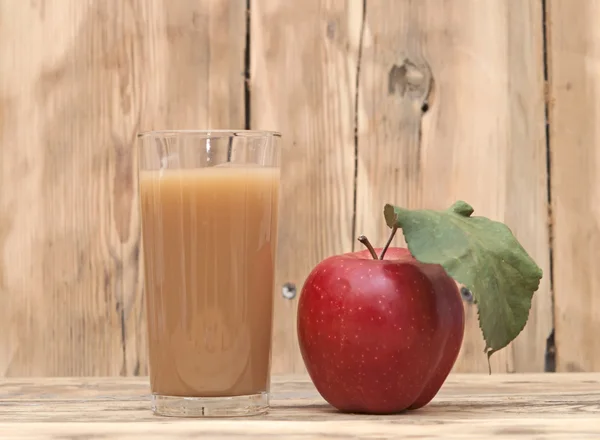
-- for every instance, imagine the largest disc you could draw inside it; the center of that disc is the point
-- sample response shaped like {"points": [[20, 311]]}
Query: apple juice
{"points": [[209, 236]]}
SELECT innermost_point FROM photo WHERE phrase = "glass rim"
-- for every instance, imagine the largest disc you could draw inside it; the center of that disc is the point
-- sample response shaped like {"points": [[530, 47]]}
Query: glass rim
{"points": [[219, 133]]}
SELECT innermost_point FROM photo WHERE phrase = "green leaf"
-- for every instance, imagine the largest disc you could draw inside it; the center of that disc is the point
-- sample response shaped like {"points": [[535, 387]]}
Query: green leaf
{"points": [[483, 255]]}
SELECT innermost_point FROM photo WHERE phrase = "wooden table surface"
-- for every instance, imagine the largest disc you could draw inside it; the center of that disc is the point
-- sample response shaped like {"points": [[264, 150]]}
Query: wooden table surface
{"points": [[540, 406]]}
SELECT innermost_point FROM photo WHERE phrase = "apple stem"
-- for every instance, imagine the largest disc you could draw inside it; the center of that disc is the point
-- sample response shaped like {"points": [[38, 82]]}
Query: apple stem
{"points": [[387, 245], [364, 240]]}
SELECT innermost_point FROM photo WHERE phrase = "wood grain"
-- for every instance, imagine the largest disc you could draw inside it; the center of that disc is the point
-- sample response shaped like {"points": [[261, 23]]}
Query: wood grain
{"points": [[451, 107], [78, 80], [557, 406], [574, 47], [303, 75]]}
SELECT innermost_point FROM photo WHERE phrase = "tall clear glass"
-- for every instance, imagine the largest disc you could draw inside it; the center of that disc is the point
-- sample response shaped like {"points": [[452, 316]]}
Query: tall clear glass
{"points": [[209, 213]]}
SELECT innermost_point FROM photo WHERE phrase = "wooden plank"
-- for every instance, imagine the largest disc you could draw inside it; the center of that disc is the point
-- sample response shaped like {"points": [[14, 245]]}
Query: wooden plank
{"points": [[558, 406], [79, 80], [303, 75], [539, 428], [574, 47], [451, 107]]}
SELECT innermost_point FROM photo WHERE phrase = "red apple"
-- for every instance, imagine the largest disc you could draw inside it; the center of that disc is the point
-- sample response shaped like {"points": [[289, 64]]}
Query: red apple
{"points": [[379, 336]]}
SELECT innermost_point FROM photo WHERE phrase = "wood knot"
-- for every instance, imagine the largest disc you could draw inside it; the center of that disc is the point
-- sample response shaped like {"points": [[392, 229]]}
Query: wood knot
{"points": [[411, 80]]}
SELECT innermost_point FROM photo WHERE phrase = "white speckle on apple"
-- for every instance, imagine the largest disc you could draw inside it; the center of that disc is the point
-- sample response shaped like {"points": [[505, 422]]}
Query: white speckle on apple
{"points": [[359, 308]]}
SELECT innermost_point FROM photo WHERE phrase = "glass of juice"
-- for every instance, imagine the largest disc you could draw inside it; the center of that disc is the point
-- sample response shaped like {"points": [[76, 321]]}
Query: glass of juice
{"points": [[209, 216]]}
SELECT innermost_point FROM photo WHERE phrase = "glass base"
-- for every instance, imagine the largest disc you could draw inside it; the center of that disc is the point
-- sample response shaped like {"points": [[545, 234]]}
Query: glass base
{"points": [[235, 406]]}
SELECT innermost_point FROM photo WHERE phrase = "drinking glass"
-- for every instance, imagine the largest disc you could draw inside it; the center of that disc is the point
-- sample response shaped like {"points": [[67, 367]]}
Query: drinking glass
{"points": [[209, 216]]}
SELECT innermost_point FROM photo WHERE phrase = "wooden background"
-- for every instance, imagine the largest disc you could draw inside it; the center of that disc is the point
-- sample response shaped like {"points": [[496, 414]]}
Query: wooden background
{"points": [[412, 102]]}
